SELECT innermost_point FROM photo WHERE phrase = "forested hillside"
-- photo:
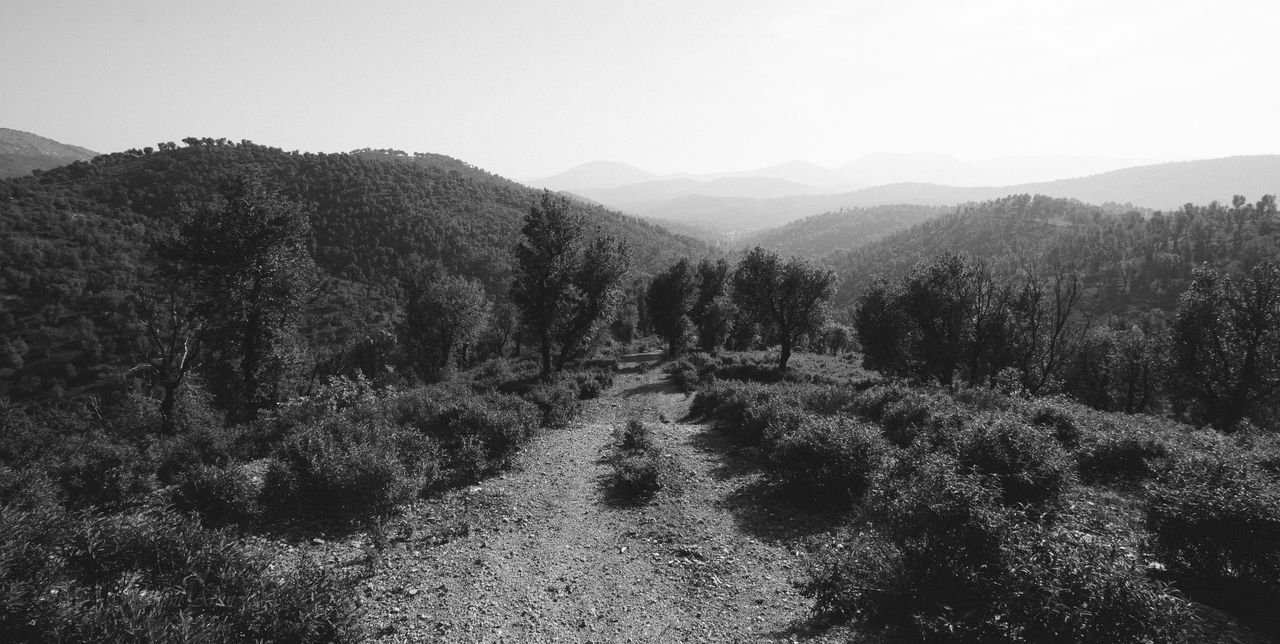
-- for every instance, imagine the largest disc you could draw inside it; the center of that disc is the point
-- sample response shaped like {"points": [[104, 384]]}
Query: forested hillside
{"points": [[841, 230], [76, 242], [1130, 261]]}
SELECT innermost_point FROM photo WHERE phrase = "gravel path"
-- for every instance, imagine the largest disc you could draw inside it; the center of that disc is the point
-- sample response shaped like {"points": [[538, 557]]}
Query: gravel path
{"points": [[541, 554]]}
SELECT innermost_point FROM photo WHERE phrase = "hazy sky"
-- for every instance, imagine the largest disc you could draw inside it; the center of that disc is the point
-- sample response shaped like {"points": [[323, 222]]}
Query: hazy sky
{"points": [[531, 88]]}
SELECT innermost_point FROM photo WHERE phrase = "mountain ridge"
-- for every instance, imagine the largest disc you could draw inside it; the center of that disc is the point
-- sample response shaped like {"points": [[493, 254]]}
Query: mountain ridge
{"points": [[24, 152]]}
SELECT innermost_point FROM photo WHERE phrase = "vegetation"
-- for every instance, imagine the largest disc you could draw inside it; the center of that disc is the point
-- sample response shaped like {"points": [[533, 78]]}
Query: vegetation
{"points": [[640, 470], [565, 286], [786, 300], [207, 347]]}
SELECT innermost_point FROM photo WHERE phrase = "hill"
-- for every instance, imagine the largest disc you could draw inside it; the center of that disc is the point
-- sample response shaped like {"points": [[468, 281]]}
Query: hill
{"points": [[597, 175], [1164, 186], [639, 196], [22, 152], [845, 229], [1132, 261], [76, 240], [884, 168]]}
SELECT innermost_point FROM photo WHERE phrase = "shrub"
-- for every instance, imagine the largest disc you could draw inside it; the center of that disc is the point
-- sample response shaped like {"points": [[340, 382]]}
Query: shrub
{"points": [[864, 579], [871, 403], [592, 383], [834, 457], [943, 561], [350, 466], [1055, 416], [639, 470], [499, 423], [1216, 524], [1065, 585], [1122, 455], [728, 402], [635, 435], [156, 576], [637, 476], [93, 470], [685, 375], [1026, 465], [213, 445], [220, 495], [27, 488], [558, 401], [917, 414]]}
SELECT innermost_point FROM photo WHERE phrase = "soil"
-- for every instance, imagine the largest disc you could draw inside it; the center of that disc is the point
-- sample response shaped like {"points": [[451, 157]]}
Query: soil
{"points": [[545, 552]]}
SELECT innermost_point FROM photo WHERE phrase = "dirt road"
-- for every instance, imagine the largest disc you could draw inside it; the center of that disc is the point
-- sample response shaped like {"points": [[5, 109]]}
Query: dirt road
{"points": [[543, 553]]}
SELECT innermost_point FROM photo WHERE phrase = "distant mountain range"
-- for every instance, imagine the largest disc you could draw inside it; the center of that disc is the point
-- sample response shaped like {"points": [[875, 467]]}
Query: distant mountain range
{"points": [[743, 204], [21, 152]]}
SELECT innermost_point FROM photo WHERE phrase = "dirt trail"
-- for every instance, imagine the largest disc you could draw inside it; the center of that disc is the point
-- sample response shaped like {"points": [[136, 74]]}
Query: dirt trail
{"points": [[541, 554]]}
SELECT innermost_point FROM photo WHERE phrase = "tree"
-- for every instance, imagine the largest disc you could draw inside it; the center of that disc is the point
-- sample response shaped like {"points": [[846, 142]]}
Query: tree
{"points": [[546, 261], [563, 287], [246, 253], [789, 300], [670, 297], [1226, 343], [713, 310], [881, 327], [1046, 324], [175, 326], [936, 301], [593, 296], [444, 313]]}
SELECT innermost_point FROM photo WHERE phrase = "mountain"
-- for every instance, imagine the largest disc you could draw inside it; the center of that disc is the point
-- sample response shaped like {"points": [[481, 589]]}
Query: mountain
{"points": [[845, 229], [886, 168], [639, 196], [77, 242], [21, 152], [1163, 186], [1131, 261], [803, 172], [597, 175]]}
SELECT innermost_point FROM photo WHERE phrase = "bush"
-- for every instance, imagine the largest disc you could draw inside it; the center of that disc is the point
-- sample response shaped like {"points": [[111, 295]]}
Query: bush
{"points": [[1055, 416], [685, 375], [1065, 585], [637, 476], [1024, 462], [635, 436], [639, 470], [215, 446], [156, 576], [350, 466], [27, 488], [220, 495], [872, 403], [93, 470], [1122, 455], [915, 414], [476, 433], [591, 383], [559, 402], [944, 561], [832, 457], [1216, 525]]}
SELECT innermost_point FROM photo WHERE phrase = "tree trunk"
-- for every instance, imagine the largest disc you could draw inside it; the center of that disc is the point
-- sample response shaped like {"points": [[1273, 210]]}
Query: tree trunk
{"points": [[785, 355], [546, 356], [167, 403]]}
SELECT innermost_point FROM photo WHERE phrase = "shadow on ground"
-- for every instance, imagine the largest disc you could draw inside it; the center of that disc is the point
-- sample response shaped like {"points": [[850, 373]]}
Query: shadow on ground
{"points": [[761, 506]]}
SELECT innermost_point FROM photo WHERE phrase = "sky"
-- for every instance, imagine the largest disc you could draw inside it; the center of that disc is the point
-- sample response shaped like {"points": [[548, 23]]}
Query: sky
{"points": [[530, 88]]}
